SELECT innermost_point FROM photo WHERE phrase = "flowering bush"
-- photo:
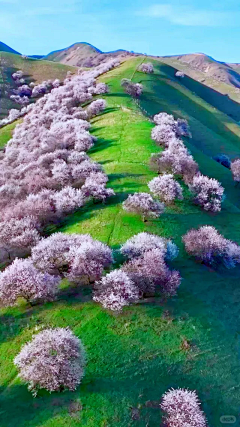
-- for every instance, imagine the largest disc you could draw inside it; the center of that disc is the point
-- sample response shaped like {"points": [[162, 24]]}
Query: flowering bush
{"points": [[76, 256], [149, 273], [143, 204], [182, 408], [54, 360], [115, 291], [166, 188], [179, 74], [175, 161], [235, 168], [208, 245], [143, 242], [133, 89], [207, 192], [22, 279], [146, 67]]}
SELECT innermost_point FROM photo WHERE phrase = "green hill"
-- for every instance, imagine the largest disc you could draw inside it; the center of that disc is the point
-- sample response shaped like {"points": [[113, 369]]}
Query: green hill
{"points": [[134, 357], [33, 69]]}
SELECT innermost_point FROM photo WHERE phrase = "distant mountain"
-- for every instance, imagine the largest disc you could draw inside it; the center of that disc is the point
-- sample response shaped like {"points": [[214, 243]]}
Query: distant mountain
{"points": [[82, 55], [6, 48], [221, 71]]}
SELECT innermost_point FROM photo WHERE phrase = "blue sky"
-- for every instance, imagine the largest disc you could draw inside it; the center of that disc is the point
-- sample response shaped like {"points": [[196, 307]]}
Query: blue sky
{"points": [[154, 27]]}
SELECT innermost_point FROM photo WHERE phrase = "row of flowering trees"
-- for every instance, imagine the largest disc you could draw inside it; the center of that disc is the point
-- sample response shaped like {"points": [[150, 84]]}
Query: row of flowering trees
{"points": [[45, 172]]}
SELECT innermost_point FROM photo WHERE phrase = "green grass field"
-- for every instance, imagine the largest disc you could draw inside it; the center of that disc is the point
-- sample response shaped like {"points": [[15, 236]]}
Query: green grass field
{"points": [[134, 357], [33, 70]]}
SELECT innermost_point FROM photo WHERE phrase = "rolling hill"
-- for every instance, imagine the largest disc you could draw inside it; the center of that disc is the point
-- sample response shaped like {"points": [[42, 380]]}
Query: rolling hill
{"points": [[221, 76], [82, 55], [33, 69], [134, 357]]}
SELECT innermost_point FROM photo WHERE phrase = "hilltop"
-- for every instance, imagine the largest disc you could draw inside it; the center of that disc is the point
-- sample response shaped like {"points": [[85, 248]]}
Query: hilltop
{"points": [[82, 55]]}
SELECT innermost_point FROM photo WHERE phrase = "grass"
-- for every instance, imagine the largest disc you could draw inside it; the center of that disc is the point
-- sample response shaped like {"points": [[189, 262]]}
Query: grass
{"points": [[133, 358], [33, 70]]}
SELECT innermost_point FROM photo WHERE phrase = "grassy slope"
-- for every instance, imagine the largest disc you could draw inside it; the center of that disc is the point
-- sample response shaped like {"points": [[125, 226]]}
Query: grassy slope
{"points": [[209, 81], [134, 357], [33, 69]]}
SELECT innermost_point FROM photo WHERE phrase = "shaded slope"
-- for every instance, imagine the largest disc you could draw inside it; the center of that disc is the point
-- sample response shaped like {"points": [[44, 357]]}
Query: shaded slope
{"points": [[6, 48]]}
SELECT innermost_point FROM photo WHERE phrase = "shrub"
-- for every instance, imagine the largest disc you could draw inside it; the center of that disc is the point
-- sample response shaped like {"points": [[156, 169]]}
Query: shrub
{"points": [[149, 273], [235, 168], [22, 279], [133, 89], [162, 134], [76, 256], [143, 242], [223, 160], [175, 161], [146, 68], [209, 246], [54, 360], [143, 204], [96, 107], [179, 127], [19, 234], [115, 291], [179, 74], [207, 192], [182, 408], [166, 188]]}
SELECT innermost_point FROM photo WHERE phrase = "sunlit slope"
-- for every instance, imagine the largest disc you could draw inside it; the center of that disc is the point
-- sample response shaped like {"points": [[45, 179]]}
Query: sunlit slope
{"points": [[133, 358], [33, 70]]}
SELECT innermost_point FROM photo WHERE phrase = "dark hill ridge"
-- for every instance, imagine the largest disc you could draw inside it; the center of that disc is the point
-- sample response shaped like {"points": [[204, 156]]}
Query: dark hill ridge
{"points": [[5, 48]]}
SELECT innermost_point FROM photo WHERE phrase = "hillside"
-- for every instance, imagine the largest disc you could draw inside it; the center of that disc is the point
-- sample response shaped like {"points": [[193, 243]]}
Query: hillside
{"points": [[134, 357], [221, 76], [82, 55], [6, 48], [33, 69]]}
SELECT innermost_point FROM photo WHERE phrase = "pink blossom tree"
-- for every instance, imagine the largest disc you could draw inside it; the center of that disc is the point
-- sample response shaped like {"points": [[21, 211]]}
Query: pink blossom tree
{"points": [[209, 246], [150, 273], [54, 360], [235, 168], [207, 192], [133, 89], [166, 188], [143, 204], [78, 257], [22, 279], [143, 242], [115, 291], [181, 408], [146, 67], [180, 74]]}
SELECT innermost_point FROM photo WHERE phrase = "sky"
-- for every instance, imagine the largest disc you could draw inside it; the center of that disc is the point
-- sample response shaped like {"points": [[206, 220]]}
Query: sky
{"points": [[154, 27]]}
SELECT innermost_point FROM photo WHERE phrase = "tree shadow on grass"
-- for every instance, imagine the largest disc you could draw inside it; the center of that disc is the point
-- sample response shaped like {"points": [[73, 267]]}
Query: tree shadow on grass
{"points": [[102, 144], [20, 409]]}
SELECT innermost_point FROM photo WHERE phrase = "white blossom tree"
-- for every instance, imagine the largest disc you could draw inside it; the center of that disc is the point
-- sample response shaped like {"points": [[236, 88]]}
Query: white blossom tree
{"points": [[54, 360]]}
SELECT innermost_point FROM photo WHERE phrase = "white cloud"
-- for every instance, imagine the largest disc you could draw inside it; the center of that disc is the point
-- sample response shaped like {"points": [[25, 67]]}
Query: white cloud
{"points": [[189, 16]]}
